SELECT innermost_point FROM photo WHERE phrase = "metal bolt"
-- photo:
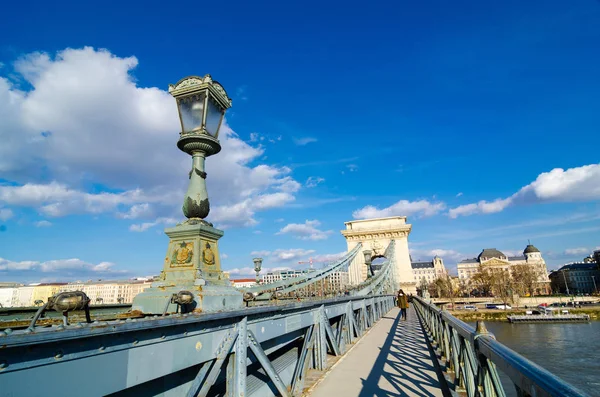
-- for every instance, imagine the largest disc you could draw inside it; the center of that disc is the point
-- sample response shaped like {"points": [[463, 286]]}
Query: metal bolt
{"points": [[58, 355], [3, 365]]}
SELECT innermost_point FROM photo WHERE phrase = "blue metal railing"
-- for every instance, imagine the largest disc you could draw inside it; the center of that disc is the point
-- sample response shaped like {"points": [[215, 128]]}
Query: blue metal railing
{"points": [[473, 357]]}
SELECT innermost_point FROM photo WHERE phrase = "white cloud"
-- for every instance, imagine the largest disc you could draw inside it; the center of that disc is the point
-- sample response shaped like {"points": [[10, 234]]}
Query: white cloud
{"points": [[482, 207], [513, 252], [43, 223], [306, 231], [84, 105], [577, 251], [326, 258], [352, 167], [65, 269], [313, 181], [559, 185], [450, 257], [459, 194], [5, 214], [142, 227], [284, 255], [136, 211], [400, 208], [304, 141]]}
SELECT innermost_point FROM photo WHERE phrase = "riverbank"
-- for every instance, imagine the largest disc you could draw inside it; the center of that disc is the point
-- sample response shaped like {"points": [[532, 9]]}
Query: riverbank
{"points": [[500, 315]]}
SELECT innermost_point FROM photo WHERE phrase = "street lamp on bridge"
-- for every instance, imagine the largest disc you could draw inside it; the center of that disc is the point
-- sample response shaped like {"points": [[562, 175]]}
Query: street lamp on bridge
{"points": [[368, 260], [192, 266], [257, 267]]}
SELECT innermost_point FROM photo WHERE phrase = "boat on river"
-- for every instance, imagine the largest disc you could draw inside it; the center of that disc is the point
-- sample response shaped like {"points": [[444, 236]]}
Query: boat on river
{"points": [[544, 314]]}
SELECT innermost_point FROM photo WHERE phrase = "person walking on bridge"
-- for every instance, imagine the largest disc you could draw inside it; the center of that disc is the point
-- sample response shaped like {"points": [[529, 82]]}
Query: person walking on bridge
{"points": [[402, 302]]}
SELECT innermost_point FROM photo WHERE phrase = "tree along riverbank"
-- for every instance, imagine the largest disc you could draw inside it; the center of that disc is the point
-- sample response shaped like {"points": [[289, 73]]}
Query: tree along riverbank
{"points": [[500, 315]]}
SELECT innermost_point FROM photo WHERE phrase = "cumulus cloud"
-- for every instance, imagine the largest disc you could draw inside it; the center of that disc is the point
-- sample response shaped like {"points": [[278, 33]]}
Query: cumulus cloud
{"points": [[284, 255], [304, 141], [313, 181], [306, 231], [577, 251], [400, 208], [5, 214], [559, 185], [142, 227], [447, 255], [88, 122], [64, 269]]}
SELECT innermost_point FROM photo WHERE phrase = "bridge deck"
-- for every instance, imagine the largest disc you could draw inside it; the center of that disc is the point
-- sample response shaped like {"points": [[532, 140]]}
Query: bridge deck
{"points": [[392, 360]]}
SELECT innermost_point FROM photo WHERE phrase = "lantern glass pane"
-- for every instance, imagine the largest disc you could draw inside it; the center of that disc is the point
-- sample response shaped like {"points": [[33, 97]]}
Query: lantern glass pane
{"points": [[213, 117], [192, 111]]}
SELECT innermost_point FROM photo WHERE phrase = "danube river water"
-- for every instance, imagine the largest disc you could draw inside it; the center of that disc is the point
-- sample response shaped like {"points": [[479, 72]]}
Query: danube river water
{"points": [[571, 351]]}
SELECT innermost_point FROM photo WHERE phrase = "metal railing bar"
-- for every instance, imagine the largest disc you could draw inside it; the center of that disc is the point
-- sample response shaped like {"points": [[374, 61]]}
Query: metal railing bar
{"points": [[475, 356]]}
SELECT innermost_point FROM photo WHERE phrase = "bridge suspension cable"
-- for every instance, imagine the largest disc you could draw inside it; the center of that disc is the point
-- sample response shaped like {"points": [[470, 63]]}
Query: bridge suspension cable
{"points": [[283, 287], [382, 280]]}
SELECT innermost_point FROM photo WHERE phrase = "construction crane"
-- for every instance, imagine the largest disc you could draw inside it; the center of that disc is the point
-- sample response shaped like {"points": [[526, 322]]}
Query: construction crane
{"points": [[310, 262]]}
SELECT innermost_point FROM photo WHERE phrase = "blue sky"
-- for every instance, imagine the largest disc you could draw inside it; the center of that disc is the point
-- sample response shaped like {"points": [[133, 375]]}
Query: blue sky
{"points": [[478, 121]]}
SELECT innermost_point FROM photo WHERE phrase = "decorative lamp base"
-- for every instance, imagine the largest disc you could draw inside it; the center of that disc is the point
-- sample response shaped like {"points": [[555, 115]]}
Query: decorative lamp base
{"points": [[192, 264]]}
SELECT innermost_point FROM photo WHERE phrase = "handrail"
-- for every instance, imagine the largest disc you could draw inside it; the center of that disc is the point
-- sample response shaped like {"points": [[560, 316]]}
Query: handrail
{"points": [[473, 356]]}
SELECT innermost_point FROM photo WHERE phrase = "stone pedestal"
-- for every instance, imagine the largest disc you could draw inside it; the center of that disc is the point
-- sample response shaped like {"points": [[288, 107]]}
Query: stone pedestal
{"points": [[192, 264]]}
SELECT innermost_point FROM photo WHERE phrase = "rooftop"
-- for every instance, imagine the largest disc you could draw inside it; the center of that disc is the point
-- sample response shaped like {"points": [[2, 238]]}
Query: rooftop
{"points": [[491, 253], [579, 266], [421, 265]]}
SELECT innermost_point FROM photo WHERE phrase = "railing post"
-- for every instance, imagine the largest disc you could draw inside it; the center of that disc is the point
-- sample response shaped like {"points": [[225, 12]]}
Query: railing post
{"points": [[487, 379], [241, 358]]}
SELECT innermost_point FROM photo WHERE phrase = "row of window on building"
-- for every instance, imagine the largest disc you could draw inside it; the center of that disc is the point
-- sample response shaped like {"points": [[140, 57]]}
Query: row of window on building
{"points": [[99, 292]]}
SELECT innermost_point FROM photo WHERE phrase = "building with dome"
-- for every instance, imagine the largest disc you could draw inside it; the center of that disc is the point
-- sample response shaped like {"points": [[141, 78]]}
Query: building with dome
{"points": [[492, 258]]}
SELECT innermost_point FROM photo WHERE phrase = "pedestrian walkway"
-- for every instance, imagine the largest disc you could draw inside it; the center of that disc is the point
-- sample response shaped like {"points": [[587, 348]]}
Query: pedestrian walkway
{"points": [[392, 360]]}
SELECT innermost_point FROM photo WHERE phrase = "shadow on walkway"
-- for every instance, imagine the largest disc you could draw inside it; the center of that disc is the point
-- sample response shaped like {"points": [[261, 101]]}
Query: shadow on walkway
{"points": [[404, 363]]}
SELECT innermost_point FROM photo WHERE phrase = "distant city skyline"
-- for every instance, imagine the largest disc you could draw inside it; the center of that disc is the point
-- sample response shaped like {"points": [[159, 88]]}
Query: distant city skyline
{"points": [[480, 127]]}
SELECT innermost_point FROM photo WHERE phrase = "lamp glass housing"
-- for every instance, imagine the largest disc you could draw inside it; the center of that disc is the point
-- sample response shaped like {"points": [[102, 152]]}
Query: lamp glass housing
{"points": [[191, 111], [257, 264], [214, 116], [367, 254]]}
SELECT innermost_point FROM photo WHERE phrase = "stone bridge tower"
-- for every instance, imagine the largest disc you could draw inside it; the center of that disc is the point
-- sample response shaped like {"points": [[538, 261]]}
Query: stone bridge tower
{"points": [[375, 234]]}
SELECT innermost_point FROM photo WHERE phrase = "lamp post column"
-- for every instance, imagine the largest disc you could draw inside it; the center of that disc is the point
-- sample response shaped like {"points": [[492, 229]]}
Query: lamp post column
{"points": [[195, 203]]}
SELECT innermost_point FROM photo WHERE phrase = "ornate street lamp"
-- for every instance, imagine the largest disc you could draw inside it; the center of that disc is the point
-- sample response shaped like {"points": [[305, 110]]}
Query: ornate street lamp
{"points": [[192, 264], [257, 267], [201, 103], [368, 254]]}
